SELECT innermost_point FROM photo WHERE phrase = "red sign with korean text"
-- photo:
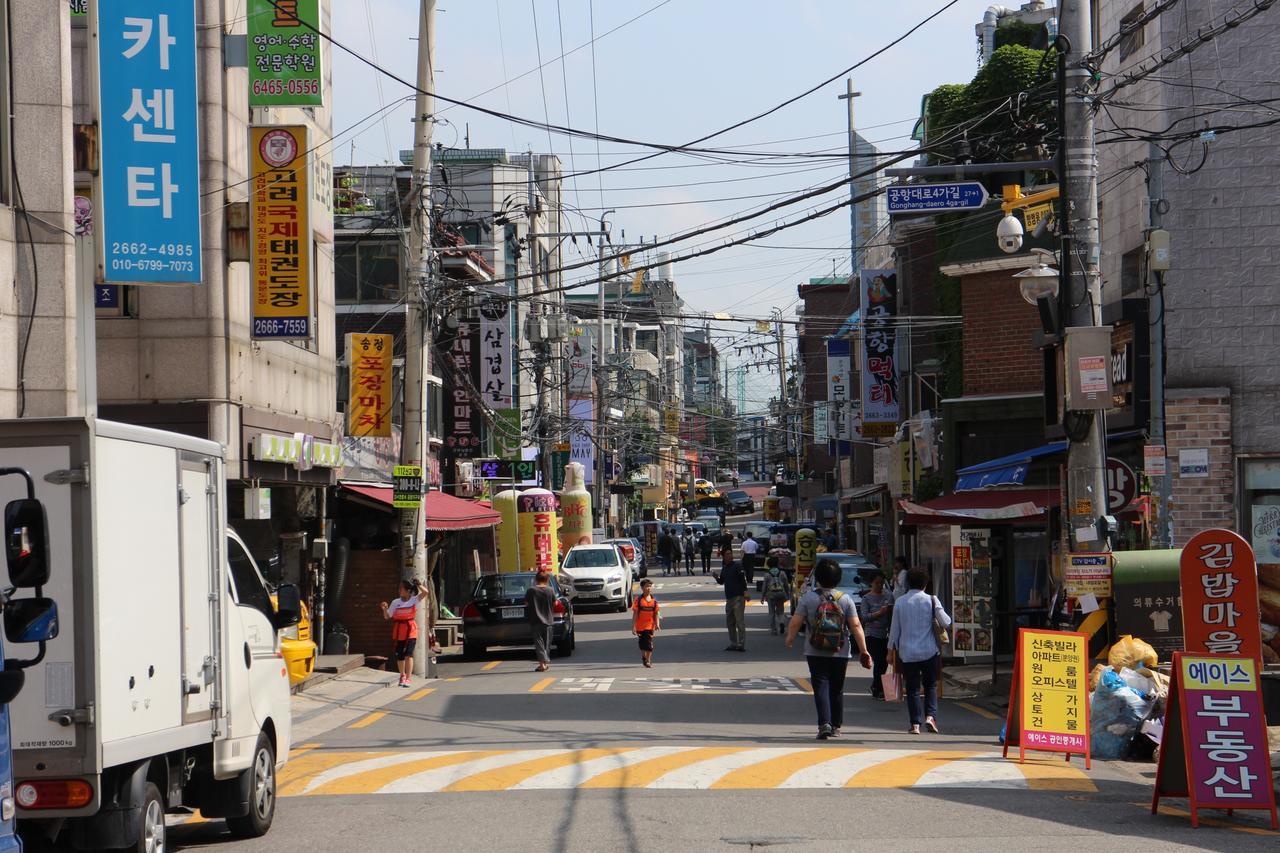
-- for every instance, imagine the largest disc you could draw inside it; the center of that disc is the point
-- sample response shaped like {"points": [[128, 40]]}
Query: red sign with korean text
{"points": [[1214, 750], [1220, 595]]}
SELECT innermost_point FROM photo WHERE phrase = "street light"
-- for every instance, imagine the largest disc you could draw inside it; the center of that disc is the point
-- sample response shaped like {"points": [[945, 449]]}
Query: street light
{"points": [[1038, 282]]}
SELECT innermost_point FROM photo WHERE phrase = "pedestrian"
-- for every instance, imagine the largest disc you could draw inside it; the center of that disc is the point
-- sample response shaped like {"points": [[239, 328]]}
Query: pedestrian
{"points": [[735, 600], [831, 630], [646, 622], [750, 547], [913, 643], [900, 571], [677, 552], [776, 592], [687, 548], [664, 551], [539, 608], [735, 481], [829, 540], [706, 546], [403, 613], [877, 609]]}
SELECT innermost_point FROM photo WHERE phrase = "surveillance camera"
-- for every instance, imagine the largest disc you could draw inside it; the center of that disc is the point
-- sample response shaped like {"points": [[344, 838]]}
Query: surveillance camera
{"points": [[1009, 234]]}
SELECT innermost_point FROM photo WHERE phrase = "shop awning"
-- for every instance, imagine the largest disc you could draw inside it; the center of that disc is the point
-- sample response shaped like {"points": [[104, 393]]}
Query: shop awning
{"points": [[444, 512], [1008, 470], [1011, 506]]}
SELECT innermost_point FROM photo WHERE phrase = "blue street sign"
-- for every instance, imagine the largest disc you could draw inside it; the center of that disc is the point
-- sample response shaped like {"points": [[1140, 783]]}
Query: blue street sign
{"points": [[928, 198], [106, 296], [149, 141]]}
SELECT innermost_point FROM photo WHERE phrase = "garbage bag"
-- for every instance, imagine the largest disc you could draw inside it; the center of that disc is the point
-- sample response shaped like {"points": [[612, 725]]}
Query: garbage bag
{"points": [[1115, 711], [1131, 652], [1095, 676]]}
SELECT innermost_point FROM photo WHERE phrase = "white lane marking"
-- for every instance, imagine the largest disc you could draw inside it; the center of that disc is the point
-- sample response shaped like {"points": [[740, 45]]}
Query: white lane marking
{"points": [[344, 770], [576, 774], [703, 774], [986, 771], [442, 777], [834, 773]]}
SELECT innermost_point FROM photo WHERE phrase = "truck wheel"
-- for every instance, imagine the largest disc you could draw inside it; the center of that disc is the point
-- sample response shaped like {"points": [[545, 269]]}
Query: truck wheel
{"points": [[262, 793], [151, 838]]}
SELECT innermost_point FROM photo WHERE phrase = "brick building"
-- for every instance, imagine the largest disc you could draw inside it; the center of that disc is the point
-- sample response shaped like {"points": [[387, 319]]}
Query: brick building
{"points": [[826, 306]]}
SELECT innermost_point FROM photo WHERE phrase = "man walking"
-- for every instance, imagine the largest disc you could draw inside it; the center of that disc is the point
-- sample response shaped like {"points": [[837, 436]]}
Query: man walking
{"points": [[832, 627], [686, 547], [664, 551], [750, 547], [735, 600], [539, 604], [706, 547]]}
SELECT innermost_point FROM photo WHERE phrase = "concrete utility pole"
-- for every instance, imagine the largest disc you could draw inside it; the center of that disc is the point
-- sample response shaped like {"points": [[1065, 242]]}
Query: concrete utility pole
{"points": [[602, 377], [1087, 458], [1163, 484], [413, 451], [783, 421], [855, 268]]}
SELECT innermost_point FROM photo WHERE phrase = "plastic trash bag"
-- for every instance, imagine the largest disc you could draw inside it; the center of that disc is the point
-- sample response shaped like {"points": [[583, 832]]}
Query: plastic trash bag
{"points": [[1133, 653], [1115, 712], [1095, 675]]}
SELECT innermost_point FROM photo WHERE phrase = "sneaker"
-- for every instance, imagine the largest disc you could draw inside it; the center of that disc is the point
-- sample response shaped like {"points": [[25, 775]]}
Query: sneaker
{"points": [[404, 682], [824, 733], [931, 724], [914, 730], [835, 731]]}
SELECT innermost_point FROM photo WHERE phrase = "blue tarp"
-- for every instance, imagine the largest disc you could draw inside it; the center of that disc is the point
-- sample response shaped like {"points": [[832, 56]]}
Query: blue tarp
{"points": [[1008, 470]]}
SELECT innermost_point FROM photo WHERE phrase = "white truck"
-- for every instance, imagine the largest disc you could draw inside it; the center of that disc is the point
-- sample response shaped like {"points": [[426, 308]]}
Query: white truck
{"points": [[165, 688]]}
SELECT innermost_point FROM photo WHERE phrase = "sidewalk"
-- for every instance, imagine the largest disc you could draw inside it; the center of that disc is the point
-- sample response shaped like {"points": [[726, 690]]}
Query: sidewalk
{"points": [[974, 681]]}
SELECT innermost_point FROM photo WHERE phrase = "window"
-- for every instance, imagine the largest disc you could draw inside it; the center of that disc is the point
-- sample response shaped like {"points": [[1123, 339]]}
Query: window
{"points": [[927, 396], [250, 591], [1131, 41], [368, 270]]}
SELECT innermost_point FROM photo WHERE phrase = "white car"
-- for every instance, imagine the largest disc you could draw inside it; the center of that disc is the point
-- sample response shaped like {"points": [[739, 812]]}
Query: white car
{"points": [[598, 574]]}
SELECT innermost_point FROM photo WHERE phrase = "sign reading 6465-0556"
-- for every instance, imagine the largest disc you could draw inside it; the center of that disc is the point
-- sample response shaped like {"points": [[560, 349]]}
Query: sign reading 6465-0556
{"points": [[284, 53]]}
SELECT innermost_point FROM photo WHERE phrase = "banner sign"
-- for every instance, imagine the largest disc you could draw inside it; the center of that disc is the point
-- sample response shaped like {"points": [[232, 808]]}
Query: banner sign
{"points": [[581, 347], [1049, 697], [281, 223], [821, 426], [149, 142], [519, 470], [495, 351], [839, 391], [1088, 574], [583, 428], [461, 414], [1219, 579], [880, 409], [506, 433], [407, 487], [1214, 748], [284, 53], [369, 358]]}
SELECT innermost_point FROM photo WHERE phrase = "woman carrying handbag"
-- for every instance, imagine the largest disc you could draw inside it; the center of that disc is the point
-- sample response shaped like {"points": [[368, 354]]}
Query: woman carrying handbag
{"points": [[916, 637]]}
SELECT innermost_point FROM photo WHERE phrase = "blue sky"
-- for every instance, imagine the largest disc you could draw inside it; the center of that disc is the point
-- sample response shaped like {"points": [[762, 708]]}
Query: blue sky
{"points": [[685, 69]]}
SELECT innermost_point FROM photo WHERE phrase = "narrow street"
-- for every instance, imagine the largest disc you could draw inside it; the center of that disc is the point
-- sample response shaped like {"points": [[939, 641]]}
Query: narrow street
{"points": [[706, 751]]}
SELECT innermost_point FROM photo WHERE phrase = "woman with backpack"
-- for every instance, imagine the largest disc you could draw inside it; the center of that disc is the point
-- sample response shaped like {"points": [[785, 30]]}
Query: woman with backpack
{"points": [[914, 641], [831, 629], [776, 593]]}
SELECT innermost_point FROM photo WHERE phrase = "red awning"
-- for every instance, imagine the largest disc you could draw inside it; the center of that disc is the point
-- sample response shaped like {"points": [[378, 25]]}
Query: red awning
{"points": [[989, 506], [444, 512]]}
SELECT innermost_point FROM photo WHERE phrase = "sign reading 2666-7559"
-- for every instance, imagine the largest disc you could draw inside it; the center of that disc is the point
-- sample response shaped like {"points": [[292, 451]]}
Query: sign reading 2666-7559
{"points": [[150, 141], [280, 204]]}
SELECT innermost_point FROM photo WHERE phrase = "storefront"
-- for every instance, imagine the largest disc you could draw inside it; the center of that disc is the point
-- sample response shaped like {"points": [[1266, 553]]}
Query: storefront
{"points": [[868, 520]]}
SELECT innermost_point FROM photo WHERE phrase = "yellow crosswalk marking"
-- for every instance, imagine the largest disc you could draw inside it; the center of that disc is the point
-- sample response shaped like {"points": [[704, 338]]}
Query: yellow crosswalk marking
{"points": [[804, 684], [368, 721], [903, 772], [295, 775], [640, 775], [513, 774], [1045, 775], [426, 691], [774, 771], [370, 781], [542, 685], [493, 664]]}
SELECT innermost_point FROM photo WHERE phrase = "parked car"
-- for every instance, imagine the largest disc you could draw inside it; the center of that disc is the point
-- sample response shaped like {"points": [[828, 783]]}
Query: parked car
{"points": [[598, 574], [495, 615], [738, 502], [758, 530], [710, 519], [642, 561], [632, 552]]}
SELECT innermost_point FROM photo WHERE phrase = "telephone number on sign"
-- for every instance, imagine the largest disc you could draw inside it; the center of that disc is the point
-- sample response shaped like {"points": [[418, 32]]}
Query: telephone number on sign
{"points": [[282, 87], [145, 265], [168, 250], [280, 328]]}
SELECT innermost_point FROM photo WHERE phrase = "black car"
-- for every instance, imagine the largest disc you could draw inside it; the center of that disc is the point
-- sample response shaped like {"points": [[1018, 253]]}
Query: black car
{"points": [[495, 615], [738, 502]]}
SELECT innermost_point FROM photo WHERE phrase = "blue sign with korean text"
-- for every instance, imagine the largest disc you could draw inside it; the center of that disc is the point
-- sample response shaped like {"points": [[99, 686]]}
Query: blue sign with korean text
{"points": [[149, 141], [927, 198], [106, 296]]}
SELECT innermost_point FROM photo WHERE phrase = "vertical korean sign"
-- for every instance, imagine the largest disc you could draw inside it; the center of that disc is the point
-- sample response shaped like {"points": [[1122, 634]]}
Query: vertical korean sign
{"points": [[284, 53], [880, 353], [461, 412], [280, 206], [369, 401], [1049, 697], [839, 393], [1220, 595], [495, 349], [149, 181]]}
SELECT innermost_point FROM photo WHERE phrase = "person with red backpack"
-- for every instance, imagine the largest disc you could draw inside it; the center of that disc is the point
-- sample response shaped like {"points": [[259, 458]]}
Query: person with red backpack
{"points": [[403, 614], [831, 626]]}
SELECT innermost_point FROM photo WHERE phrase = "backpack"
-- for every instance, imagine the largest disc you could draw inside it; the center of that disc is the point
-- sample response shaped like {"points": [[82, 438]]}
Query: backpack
{"points": [[827, 627], [775, 585]]}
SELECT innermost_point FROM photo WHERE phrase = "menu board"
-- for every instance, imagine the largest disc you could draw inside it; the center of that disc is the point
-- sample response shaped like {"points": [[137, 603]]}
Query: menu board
{"points": [[1049, 697], [971, 591]]}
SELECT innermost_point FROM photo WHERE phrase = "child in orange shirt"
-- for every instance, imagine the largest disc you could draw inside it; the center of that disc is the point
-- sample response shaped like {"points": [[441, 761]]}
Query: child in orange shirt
{"points": [[646, 622]]}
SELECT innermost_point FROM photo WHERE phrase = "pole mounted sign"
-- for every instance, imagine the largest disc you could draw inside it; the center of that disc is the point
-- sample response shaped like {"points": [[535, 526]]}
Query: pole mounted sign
{"points": [[280, 207], [149, 177], [934, 198]]}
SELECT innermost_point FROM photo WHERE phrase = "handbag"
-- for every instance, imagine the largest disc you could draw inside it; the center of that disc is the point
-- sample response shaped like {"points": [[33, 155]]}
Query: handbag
{"points": [[892, 683], [939, 630]]}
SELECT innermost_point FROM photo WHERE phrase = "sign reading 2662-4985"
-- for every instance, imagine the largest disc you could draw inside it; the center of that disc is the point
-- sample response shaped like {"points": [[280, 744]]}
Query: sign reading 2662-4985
{"points": [[149, 141]]}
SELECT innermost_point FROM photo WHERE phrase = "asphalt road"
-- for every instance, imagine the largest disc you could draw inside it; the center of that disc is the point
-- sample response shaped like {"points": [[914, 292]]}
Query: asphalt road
{"points": [[709, 750]]}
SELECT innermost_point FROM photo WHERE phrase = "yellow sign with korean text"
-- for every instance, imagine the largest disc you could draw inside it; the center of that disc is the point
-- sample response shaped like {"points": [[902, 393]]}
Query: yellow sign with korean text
{"points": [[371, 391], [280, 214], [1035, 213], [1049, 697]]}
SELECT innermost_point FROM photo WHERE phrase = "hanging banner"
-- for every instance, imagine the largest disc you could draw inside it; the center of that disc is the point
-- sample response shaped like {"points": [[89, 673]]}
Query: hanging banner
{"points": [[148, 185], [880, 409], [462, 421], [1214, 748], [840, 393], [821, 425], [495, 348], [284, 53], [1049, 697], [1219, 580], [582, 447], [280, 207], [370, 395], [506, 433], [581, 356]]}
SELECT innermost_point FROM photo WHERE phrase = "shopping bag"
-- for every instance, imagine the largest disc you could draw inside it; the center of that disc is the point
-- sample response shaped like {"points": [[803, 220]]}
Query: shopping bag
{"points": [[892, 682]]}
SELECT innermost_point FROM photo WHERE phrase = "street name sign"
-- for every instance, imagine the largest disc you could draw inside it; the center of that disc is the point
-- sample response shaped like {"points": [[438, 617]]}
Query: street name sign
{"points": [[934, 198]]}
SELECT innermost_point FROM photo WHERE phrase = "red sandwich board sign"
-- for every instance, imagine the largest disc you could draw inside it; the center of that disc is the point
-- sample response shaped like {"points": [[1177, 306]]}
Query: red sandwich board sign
{"points": [[1214, 749], [1049, 697], [1220, 595]]}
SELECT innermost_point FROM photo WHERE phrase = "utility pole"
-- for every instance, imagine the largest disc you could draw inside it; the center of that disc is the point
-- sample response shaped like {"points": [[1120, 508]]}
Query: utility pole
{"points": [[782, 397], [1086, 458], [413, 528], [1163, 484], [855, 281], [602, 376]]}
